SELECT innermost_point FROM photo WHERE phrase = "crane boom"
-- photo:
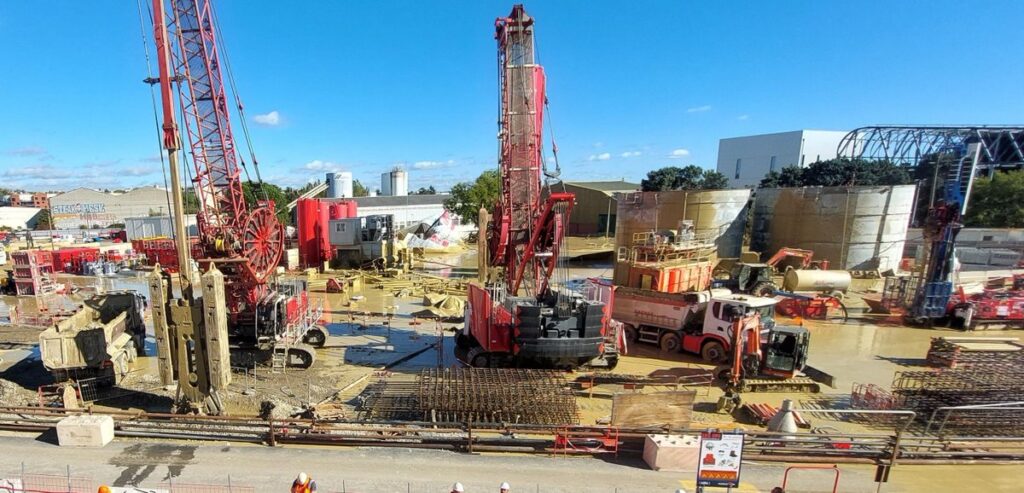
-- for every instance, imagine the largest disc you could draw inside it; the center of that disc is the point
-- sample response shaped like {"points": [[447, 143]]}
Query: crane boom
{"points": [[244, 241]]}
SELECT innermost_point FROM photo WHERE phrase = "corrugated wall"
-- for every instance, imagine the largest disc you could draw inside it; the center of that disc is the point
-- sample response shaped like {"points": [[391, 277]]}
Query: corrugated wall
{"points": [[853, 227]]}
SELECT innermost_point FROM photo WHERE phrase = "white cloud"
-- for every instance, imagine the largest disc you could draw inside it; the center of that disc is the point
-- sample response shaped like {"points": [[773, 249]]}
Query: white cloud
{"points": [[427, 164], [743, 117], [26, 151], [271, 119], [629, 154], [318, 165], [604, 156], [679, 153], [699, 109]]}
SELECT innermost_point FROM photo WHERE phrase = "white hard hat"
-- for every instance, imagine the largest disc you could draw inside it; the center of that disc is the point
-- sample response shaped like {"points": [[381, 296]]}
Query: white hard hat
{"points": [[302, 478], [457, 488], [504, 486]]}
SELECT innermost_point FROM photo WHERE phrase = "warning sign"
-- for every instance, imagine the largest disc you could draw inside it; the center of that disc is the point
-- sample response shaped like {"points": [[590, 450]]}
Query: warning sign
{"points": [[719, 460]]}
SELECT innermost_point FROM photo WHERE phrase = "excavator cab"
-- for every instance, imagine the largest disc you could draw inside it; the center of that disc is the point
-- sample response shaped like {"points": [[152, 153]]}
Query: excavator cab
{"points": [[785, 352]]}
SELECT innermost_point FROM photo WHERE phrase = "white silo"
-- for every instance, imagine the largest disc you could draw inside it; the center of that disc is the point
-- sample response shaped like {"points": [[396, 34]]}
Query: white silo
{"points": [[339, 185], [394, 182]]}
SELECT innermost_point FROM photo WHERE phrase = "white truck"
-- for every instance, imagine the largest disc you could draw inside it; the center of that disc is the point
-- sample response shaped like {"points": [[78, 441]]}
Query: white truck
{"points": [[698, 322]]}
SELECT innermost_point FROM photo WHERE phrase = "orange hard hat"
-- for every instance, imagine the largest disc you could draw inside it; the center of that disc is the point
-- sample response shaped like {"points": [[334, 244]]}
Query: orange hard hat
{"points": [[104, 489]]}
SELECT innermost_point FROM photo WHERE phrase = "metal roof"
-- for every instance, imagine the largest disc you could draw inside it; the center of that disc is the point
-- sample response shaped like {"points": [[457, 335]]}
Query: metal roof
{"points": [[398, 201], [605, 186]]}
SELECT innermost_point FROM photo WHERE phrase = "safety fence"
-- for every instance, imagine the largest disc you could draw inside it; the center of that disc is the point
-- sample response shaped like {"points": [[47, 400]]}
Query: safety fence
{"points": [[26, 482]]}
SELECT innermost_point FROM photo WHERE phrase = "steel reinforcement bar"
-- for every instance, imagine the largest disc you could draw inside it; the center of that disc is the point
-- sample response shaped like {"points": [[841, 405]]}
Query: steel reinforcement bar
{"points": [[765, 446]]}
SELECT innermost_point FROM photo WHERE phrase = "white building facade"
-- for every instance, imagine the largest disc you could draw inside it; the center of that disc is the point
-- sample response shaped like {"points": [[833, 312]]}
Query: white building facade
{"points": [[746, 160]]}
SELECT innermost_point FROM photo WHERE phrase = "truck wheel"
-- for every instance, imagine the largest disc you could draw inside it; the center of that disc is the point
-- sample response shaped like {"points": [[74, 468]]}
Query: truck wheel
{"points": [[713, 352], [670, 342], [764, 289]]}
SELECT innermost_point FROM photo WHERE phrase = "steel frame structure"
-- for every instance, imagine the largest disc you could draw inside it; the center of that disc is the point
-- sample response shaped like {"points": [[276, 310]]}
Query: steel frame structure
{"points": [[1001, 146], [247, 241]]}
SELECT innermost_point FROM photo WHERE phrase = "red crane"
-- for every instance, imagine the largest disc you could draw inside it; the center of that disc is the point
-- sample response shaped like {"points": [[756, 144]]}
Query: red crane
{"points": [[245, 241], [522, 319]]}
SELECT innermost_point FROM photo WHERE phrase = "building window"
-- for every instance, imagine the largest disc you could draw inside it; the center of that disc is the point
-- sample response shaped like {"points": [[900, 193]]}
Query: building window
{"points": [[739, 163], [771, 165]]}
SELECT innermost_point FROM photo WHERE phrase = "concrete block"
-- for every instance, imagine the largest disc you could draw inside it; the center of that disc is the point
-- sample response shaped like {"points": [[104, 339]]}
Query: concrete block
{"points": [[676, 453], [85, 431]]}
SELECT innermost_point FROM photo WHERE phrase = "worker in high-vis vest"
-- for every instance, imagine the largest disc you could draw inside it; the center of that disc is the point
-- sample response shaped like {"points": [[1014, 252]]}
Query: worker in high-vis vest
{"points": [[304, 484]]}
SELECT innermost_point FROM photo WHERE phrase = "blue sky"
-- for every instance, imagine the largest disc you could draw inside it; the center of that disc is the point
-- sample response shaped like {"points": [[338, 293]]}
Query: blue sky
{"points": [[633, 86]]}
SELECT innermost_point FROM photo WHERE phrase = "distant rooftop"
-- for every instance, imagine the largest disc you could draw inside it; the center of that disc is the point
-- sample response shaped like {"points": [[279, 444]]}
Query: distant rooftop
{"points": [[606, 186], [399, 200]]}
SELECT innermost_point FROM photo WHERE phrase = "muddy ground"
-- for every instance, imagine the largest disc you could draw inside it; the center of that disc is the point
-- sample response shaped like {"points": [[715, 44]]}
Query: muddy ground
{"points": [[373, 328]]}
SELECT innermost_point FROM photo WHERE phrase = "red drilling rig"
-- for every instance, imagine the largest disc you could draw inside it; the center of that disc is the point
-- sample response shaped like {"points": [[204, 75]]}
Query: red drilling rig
{"points": [[244, 240], [520, 317]]}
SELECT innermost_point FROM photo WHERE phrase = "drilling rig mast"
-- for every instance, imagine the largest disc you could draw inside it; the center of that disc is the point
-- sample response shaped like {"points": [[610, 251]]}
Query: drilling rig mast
{"points": [[527, 317]]}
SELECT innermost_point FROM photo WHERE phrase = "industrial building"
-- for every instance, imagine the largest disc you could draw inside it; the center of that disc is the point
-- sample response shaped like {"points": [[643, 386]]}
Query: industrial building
{"points": [[407, 209], [19, 217], [746, 160], [594, 212], [857, 228], [87, 207], [39, 200], [151, 226]]}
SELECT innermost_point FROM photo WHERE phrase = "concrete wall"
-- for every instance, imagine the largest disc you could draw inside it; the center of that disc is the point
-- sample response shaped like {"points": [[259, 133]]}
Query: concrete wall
{"points": [[757, 153], [723, 212], [83, 206], [853, 227]]}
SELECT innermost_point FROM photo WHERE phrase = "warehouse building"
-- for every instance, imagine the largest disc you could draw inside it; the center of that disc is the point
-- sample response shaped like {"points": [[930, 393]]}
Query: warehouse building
{"points": [[408, 209], [18, 218], [593, 214], [91, 208], [745, 160]]}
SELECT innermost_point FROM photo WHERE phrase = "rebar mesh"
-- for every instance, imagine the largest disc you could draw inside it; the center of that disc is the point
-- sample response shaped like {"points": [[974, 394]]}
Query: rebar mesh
{"points": [[474, 395]]}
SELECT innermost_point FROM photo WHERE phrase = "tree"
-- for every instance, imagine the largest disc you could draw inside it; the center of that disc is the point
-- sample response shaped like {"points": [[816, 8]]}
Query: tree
{"points": [[713, 180], [467, 198], [790, 176], [691, 177], [426, 191], [840, 172], [255, 192], [358, 190], [44, 221], [996, 202]]}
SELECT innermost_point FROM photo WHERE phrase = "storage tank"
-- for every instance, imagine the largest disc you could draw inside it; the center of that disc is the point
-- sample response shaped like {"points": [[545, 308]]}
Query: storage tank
{"points": [[339, 185], [394, 183], [339, 210], [314, 242], [857, 228], [818, 281], [720, 213]]}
